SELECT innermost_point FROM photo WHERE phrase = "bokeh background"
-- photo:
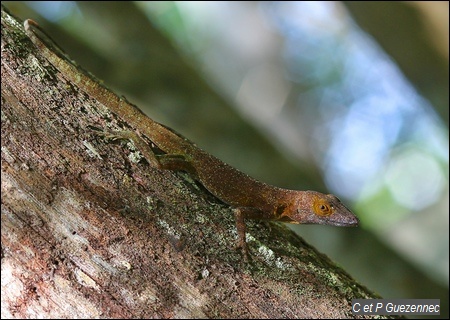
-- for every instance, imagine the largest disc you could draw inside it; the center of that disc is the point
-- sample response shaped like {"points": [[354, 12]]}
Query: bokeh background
{"points": [[349, 98]]}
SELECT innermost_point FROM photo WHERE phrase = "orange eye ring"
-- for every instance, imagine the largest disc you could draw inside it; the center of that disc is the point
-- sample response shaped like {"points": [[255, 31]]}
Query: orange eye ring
{"points": [[322, 207]]}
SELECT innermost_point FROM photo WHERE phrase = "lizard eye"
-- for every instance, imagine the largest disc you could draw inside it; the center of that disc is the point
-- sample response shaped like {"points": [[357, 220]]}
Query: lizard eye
{"points": [[322, 207]]}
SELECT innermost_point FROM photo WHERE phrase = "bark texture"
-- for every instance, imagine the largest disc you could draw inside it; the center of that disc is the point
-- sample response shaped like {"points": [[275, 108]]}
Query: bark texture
{"points": [[90, 230]]}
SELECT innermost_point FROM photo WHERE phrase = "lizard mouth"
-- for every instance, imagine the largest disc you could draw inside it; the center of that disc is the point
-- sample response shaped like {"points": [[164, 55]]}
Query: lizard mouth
{"points": [[340, 221], [349, 222]]}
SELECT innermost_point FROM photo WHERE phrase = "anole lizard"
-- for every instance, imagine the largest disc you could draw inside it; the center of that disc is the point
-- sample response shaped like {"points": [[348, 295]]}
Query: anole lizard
{"points": [[251, 199]]}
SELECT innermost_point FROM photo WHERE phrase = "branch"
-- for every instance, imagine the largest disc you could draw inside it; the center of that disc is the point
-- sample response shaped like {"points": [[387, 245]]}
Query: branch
{"points": [[89, 229]]}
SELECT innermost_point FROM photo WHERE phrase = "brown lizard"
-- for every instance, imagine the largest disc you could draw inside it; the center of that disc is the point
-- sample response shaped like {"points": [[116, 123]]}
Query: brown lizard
{"points": [[250, 198]]}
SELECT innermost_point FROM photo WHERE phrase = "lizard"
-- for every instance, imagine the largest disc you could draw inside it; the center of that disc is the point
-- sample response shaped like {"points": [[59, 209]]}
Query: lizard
{"points": [[249, 198]]}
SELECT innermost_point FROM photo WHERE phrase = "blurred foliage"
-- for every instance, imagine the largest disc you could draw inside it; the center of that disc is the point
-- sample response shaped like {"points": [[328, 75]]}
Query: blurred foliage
{"points": [[418, 54]]}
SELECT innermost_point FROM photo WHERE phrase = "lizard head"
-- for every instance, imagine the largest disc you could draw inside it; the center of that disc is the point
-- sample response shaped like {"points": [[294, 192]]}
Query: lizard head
{"points": [[313, 207]]}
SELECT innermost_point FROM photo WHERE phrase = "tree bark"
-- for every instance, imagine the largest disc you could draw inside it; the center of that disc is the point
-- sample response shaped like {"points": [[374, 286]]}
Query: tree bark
{"points": [[89, 229]]}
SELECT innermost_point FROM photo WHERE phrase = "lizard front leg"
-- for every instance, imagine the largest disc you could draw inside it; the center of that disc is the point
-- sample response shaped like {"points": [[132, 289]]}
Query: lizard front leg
{"points": [[241, 229], [240, 214]]}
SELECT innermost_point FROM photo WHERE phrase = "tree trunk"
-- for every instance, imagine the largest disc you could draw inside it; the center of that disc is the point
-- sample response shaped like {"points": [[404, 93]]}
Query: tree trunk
{"points": [[89, 229]]}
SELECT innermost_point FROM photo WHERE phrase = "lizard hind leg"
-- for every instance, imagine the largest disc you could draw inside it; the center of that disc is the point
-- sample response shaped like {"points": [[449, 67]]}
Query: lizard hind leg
{"points": [[138, 142], [173, 162], [176, 162]]}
